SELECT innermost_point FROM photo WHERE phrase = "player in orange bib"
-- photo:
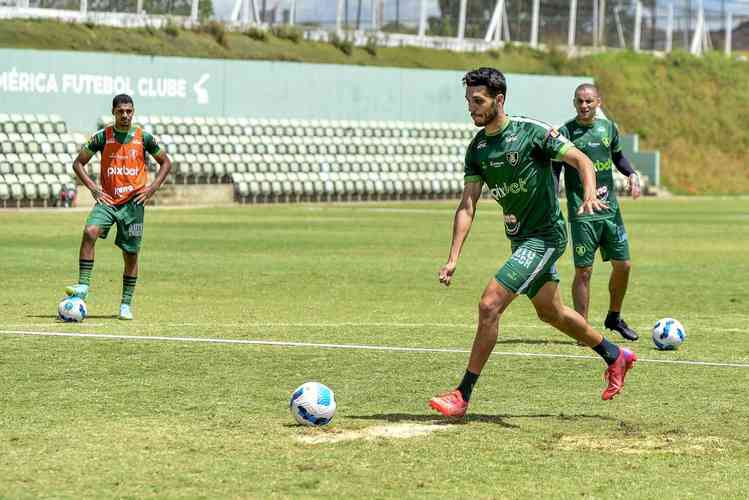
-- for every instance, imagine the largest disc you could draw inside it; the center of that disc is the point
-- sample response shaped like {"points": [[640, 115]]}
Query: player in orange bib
{"points": [[123, 193]]}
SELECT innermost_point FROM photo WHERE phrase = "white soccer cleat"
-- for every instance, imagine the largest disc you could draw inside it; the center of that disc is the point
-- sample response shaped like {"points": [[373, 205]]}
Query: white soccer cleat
{"points": [[125, 312]]}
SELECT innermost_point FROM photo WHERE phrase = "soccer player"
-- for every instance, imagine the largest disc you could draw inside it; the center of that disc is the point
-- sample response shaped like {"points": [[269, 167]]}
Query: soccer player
{"points": [[121, 198], [512, 156], [598, 138]]}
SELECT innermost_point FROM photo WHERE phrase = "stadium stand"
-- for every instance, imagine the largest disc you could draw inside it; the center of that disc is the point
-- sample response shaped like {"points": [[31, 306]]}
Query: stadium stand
{"points": [[264, 160], [36, 154], [316, 160]]}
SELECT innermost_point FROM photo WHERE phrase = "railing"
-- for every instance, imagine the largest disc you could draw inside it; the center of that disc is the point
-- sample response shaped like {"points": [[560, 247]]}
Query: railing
{"points": [[464, 25]]}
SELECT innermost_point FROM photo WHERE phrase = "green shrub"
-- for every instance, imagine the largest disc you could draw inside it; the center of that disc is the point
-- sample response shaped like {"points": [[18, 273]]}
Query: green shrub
{"points": [[287, 32], [371, 45], [344, 45], [218, 31], [257, 34], [171, 28]]}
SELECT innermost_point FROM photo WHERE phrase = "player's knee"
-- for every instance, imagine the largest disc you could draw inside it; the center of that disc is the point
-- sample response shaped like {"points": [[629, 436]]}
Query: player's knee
{"points": [[583, 274], [91, 232], [623, 266], [488, 309]]}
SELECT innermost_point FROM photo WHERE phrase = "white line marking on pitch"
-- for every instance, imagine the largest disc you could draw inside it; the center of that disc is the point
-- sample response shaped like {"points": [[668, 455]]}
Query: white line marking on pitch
{"points": [[503, 327], [278, 343]]}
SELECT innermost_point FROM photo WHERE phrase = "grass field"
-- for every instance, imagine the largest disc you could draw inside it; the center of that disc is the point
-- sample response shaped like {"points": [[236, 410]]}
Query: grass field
{"points": [[115, 418]]}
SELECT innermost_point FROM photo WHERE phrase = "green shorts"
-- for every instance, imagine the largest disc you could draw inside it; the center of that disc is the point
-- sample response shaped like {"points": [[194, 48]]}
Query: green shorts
{"points": [[531, 266], [129, 220], [608, 234]]}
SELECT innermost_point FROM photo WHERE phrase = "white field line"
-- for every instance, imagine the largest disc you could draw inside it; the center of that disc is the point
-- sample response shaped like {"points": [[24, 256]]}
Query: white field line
{"points": [[346, 346], [503, 327]]}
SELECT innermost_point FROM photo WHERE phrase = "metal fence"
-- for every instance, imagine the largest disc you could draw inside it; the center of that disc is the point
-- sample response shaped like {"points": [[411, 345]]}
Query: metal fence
{"points": [[652, 25], [659, 25]]}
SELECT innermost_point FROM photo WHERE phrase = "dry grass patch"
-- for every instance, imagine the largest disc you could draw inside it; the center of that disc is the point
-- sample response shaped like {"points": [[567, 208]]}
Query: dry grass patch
{"points": [[387, 431], [644, 445]]}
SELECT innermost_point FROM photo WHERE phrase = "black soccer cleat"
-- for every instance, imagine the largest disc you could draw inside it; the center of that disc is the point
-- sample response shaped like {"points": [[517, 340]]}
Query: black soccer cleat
{"points": [[619, 325]]}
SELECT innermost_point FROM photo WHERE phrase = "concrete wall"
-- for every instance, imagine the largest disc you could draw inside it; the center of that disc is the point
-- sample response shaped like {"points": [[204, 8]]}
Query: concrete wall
{"points": [[79, 86]]}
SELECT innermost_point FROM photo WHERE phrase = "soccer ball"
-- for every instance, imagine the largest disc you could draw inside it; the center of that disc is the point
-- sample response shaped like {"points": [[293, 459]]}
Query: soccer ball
{"points": [[668, 334], [312, 404], [72, 309]]}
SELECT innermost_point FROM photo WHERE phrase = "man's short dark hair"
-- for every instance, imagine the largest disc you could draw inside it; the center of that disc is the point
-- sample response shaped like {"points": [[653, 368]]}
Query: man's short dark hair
{"points": [[491, 78], [121, 99], [587, 86]]}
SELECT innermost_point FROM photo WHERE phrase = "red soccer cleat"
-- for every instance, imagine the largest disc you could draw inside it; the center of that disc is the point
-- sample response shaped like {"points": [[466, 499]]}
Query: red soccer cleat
{"points": [[616, 372], [450, 404]]}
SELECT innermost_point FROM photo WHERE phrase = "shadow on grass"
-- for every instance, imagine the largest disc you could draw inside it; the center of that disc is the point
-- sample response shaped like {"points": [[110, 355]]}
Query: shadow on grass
{"points": [[535, 342], [54, 316], [500, 420]]}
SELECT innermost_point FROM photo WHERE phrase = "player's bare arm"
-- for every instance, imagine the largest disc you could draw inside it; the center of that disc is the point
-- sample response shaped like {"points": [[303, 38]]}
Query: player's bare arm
{"points": [[79, 167], [623, 165], [165, 165], [461, 226], [580, 162]]}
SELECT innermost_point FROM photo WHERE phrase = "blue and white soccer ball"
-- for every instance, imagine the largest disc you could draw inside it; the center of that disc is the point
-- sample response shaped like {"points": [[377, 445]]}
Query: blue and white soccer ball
{"points": [[312, 404], [668, 334], [72, 309]]}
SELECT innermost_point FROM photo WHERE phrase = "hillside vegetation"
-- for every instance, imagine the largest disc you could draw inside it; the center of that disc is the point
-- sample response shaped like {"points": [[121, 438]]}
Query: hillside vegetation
{"points": [[691, 109]]}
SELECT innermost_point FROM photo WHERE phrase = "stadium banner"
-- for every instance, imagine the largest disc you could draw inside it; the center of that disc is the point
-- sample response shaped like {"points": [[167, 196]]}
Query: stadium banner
{"points": [[79, 87]]}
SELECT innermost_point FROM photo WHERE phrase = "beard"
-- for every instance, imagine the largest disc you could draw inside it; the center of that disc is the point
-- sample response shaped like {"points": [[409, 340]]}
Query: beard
{"points": [[490, 115]]}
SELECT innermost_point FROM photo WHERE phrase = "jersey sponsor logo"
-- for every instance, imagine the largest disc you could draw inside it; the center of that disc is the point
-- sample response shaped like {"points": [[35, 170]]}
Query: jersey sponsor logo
{"points": [[123, 190], [135, 230], [601, 166], [594, 144], [122, 171], [512, 157], [498, 192], [511, 224], [578, 132], [481, 145], [511, 138]]}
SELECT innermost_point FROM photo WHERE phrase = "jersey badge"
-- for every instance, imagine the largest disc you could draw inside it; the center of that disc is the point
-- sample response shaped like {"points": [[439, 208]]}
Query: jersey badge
{"points": [[512, 157]]}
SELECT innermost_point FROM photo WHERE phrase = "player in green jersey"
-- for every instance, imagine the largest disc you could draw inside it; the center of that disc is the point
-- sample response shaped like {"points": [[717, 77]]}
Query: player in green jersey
{"points": [[121, 197], [598, 138], [512, 156]]}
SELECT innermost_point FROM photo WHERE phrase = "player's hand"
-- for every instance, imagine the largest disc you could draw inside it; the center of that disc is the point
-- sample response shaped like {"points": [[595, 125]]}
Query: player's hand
{"points": [[145, 195], [593, 205], [446, 273], [634, 186], [102, 197]]}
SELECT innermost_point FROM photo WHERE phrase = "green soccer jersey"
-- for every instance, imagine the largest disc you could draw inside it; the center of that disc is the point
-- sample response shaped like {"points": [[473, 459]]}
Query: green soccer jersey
{"points": [[515, 164], [599, 141], [97, 141]]}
